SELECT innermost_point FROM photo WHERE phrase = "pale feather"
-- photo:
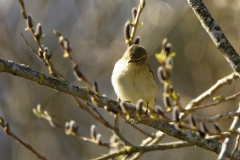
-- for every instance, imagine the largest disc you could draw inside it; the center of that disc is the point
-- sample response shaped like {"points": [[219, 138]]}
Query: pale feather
{"points": [[132, 82]]}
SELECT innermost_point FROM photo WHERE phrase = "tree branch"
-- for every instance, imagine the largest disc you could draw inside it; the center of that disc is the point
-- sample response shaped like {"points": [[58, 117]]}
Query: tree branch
{"points": [[8, 131], [82, 92], [215, 33], [133, 149]]}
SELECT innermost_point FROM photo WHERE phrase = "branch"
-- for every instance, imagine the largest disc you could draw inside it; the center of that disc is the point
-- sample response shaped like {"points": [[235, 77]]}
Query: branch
{"points": [[215, 33], [223, 99], [7, 130], [221, 82], [22, 70], [228, 141], [149, 142], [82, 92], [133, 149]]}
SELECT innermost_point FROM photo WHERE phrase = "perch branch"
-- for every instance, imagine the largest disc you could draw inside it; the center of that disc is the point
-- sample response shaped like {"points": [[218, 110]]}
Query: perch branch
{"points": [[82, 92]]}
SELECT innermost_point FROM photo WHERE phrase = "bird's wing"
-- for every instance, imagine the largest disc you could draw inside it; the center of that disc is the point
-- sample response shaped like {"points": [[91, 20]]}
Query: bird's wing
{"points": [[151, 72]]}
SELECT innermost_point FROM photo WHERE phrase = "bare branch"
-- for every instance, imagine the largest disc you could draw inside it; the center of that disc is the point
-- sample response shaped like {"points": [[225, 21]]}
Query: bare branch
{"points": [[81, 92], [133, 149], [215, 33], [223, 81], [7, 130]]}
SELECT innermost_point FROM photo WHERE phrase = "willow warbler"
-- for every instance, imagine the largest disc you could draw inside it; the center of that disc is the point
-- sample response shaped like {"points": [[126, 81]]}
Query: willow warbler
{"points": [[132, 78]]}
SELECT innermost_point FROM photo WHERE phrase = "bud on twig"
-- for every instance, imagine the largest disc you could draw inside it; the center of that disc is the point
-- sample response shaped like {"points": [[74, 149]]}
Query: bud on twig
{"points": [[71, 128], [166, 101], [6, 127], [98, 139], [164, 43], [40, 53], [168, 47], [1, 121], [46, 53], [56, 33], [38, 31], [216, 126], [23, 9], [192, 122], [201, 133], [78, 74], [29, 22], [95, 87], [159, 110], [123, 107], [66, 45], [137, 40], [203, 127], [139, 106], [142, 3], [134, 13], [61, 41], [175, 114], [93, 132], [162, 76], [127, 31]]}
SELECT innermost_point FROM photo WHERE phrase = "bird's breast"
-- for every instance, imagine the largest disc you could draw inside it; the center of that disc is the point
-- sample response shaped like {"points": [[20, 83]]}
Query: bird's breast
{"points": [[132, 83]]}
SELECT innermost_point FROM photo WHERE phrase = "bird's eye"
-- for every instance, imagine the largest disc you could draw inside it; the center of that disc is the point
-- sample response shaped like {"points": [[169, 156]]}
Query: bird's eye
{"points": [[138, 61]]}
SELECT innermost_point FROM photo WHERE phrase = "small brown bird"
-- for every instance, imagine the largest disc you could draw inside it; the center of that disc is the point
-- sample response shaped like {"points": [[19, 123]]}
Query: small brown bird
{"points": [[132, 78]]}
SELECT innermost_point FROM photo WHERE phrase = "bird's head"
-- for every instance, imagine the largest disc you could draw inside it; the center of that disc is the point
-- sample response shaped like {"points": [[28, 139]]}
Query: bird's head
{"points": [[136, 55]]}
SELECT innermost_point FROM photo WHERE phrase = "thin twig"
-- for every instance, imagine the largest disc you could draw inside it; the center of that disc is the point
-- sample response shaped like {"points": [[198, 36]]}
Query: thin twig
{"points": [[46, 60], [232, 97], [136, 20], [223, 81], [236, 145], [67, 49], [217, 117], [31, 49], [100, 119], [228, 141], [44, 115], [133, 149], [7, 130], [225, 147], [149, 142]]}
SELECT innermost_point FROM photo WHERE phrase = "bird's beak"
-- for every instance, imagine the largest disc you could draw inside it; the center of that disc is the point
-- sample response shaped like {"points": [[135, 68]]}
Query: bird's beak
{"points": [[130, 61]]}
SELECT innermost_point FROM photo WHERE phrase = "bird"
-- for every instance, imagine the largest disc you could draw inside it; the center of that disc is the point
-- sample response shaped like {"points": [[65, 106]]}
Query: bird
{"points": [[133, 79]]}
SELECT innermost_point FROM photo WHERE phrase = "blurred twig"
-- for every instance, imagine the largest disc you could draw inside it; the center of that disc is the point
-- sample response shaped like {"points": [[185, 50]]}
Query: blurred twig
{"points": [[7, 130], [67, 49]]}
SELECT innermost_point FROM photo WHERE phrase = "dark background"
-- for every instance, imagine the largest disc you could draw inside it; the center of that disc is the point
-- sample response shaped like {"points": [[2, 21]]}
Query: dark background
{"points": [[95, 31]]}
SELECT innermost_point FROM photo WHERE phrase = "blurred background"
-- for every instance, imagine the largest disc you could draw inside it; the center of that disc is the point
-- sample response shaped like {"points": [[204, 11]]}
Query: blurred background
{"points": [[95, 31]]}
